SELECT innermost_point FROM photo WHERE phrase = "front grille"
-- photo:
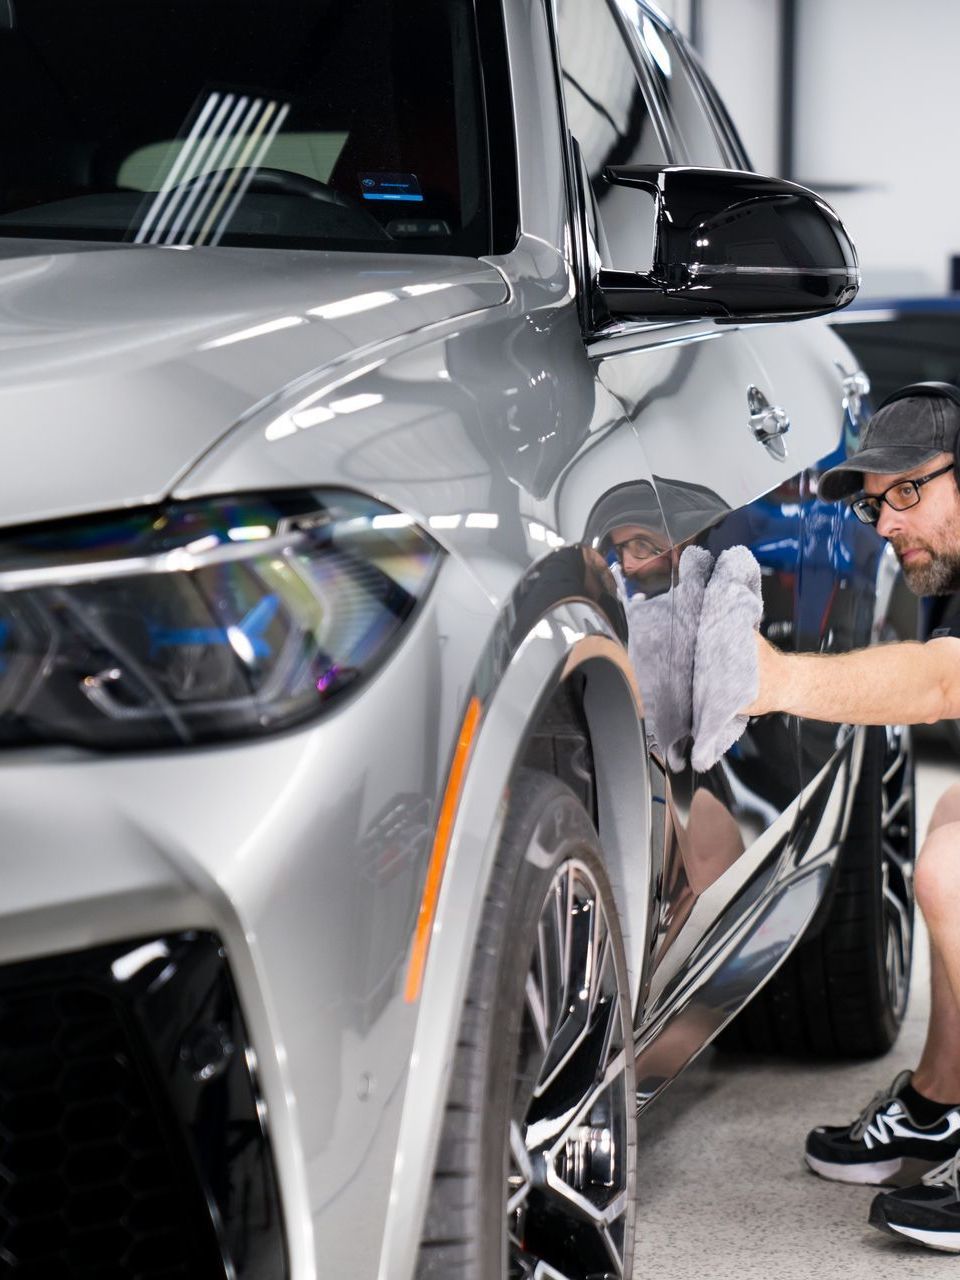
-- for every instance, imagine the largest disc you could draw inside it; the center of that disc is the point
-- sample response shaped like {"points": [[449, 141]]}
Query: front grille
{"points": [[90, 1183], [130, 1145]]}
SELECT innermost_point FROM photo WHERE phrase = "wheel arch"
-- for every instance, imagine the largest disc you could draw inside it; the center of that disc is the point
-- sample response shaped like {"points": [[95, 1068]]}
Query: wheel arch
{"points": [[568, 676]]}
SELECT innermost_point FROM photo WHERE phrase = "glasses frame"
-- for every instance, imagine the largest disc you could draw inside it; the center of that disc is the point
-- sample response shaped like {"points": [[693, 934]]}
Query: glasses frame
{"points": [[867, 507], [619, 547]]}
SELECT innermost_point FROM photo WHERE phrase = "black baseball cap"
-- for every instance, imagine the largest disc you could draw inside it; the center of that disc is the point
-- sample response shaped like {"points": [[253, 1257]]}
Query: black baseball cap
{"points": [[903, 433]]}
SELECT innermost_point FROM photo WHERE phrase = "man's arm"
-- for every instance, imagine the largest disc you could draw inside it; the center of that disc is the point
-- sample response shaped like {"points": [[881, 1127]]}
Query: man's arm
{"points": [[907, 683]]}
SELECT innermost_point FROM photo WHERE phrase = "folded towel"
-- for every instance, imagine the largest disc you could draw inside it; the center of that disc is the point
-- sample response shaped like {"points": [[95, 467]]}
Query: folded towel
{"points": [[725, 670], [662, 644]]}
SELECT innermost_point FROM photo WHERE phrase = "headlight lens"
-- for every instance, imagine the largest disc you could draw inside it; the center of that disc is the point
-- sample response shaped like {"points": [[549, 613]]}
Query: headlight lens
{"points": [[203, 620]]}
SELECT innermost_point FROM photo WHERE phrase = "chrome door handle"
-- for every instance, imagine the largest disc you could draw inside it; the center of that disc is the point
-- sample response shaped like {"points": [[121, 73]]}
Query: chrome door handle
{"points": [[855, 387], [767, 421], [769, 424]]}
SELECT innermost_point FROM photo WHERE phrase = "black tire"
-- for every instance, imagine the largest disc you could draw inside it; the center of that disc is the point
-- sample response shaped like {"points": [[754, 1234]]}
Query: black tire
{"points": [[843, 991], [548, 883]]}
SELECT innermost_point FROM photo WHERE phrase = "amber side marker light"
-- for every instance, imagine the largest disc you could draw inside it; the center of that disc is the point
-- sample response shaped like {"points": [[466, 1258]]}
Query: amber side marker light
{"points": [[438, 854]]}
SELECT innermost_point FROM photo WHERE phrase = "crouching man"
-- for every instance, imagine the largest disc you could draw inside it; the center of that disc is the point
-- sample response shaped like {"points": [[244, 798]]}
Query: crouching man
{"points": [[905, 481]]}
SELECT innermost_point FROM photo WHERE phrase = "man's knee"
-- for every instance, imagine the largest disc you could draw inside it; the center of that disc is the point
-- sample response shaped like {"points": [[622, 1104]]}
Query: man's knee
{"points": [[938, 873]]}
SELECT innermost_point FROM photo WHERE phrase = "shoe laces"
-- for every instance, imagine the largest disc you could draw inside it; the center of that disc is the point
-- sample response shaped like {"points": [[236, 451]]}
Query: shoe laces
{"points": [[867, 1115], [945, 1175]]}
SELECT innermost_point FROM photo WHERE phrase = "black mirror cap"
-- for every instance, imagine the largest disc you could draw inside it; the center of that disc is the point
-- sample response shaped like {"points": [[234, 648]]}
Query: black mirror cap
{"points": [[734, 246]]}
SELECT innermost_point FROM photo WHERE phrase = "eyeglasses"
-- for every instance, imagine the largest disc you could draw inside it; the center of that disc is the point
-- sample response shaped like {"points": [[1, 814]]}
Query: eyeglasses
{"points": [[901, 495], [640, 548]]}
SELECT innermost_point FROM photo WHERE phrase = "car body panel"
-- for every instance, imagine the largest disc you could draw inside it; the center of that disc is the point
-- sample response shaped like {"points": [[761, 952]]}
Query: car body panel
{"points": [[171, 348], [466, 395]]}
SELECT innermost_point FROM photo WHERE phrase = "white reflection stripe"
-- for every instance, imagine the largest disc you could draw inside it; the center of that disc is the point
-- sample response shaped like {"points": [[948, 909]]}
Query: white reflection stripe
{"points": [[173, 176], [203, 192], [198, 151], [228, 163], [180, 560], [279, 114]]}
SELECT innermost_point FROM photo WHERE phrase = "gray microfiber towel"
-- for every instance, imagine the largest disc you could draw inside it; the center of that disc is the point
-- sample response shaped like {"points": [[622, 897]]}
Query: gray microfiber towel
{"points": [[662, 643], [725, 669]]}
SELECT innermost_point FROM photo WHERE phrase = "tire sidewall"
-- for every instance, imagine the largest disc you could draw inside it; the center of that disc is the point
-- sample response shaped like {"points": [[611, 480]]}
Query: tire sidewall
{"points": [[546, 828]]}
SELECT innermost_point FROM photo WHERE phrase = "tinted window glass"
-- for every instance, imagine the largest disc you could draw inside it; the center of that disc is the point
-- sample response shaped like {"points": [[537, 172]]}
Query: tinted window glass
{"points": [[676, 88], [301, 123], [609, 116], [918, 348]]}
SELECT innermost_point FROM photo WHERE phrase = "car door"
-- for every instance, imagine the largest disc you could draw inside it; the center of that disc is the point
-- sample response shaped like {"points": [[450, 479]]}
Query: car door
{"points": [[690, 392]]}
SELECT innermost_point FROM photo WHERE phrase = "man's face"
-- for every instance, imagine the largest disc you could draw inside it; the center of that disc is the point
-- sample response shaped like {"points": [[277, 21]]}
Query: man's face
{"points": [[926, 537], [645, 556]]}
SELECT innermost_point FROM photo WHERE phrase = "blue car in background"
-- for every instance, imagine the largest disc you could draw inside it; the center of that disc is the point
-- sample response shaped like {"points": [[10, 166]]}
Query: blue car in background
{"points": [[897, 341]]}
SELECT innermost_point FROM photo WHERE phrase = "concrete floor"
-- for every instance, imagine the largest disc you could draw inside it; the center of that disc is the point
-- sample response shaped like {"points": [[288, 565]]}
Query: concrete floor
{"points": [[724, 1191]]}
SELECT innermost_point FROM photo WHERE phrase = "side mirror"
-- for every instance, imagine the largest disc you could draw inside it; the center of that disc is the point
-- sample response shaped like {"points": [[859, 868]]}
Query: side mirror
{"points": [[733, 246]]}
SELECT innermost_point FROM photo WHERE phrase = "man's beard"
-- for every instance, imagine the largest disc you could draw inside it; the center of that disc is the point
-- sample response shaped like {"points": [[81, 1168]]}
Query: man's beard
{"points": [[937, 576]]}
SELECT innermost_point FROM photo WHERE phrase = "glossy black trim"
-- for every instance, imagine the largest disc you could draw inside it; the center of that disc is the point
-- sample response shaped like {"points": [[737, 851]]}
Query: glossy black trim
{"points": [[710, 223], [497, 100], [176, 1011], [788, 84]]}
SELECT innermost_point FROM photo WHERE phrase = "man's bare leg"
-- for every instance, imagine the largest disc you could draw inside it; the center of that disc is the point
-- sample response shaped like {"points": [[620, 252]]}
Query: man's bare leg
{"points": [[937, 1075], [883, 1146]]}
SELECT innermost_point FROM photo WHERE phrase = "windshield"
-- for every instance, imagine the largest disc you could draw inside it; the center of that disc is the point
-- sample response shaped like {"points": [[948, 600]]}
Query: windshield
{"points": [[286, 123]]}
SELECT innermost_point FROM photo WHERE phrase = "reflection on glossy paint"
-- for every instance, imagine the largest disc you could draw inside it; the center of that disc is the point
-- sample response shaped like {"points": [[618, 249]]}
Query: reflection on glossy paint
{"points": [[418, 290], [255, 331], [353, 404], [657, 48], [245, 533], [306, 418], [353, 306], [124, 967]]}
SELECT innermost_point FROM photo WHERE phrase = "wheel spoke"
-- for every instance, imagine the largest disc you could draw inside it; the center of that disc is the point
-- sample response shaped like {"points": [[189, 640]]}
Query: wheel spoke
{"points": [[571, 1153], [535, 1006]]}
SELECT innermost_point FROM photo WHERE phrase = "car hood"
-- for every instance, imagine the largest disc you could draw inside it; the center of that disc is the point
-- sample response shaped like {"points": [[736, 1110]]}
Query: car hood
{"points": [[121, 366]]}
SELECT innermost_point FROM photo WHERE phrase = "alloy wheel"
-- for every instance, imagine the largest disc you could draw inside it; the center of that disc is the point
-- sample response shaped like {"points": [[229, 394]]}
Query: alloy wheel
{"points": [[570, 1166], [897, 862]]}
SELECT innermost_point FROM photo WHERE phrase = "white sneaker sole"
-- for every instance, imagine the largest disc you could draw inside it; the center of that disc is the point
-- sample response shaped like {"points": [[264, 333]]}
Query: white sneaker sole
{"points": [[902, 1171], [947, 1241]]}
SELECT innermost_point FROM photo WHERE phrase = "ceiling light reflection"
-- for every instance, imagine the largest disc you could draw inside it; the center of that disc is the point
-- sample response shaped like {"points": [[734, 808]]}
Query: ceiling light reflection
{"points": [[351, 404], [418, 290], [304, 418], [351, 306], [124, 967], [241, 645], [199, 545], [392, 522], [256, 331], [249, 533], [482, 520]]}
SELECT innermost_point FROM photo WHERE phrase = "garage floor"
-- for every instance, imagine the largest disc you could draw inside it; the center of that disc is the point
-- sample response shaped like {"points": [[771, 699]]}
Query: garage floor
{"points": [[723, 1188]]}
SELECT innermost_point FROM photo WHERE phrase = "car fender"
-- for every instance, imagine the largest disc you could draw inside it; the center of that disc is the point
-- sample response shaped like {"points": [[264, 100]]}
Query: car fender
{"points": [[571, 636]]}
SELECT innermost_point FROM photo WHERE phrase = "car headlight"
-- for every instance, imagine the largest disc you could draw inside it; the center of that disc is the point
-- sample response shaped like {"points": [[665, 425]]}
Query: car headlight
{"points": [[202, 620]]}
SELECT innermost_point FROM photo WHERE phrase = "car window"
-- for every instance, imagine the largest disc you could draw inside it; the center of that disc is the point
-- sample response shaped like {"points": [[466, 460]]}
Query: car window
{"points": [[904, 348], [679, 95], [606, 109], [610, 118], [298, 123]]}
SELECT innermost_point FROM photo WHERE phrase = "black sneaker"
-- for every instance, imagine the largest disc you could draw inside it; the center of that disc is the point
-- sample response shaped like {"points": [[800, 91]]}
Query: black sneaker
{"points": [[928, 1213], [884, 1146]]}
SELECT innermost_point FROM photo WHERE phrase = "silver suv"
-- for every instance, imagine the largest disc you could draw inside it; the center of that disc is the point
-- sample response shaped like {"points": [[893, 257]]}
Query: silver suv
{"points": [[361, 367]]}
